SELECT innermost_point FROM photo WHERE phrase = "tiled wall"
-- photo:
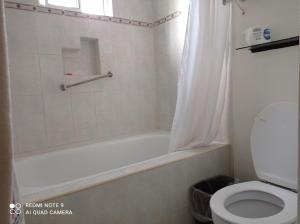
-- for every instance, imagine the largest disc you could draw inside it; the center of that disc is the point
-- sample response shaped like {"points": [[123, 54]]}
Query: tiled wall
{"points": [[47, 119], [168, 42], [155, 196]]}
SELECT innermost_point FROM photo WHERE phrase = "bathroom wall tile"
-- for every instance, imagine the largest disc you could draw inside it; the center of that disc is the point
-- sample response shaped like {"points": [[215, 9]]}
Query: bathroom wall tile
{"points": [[84, 113], [107, 55], [21, 31], [74, 28], [28, 123], [101, 30], [58, 111], [121, 68], [59, 119], [89, 57], [122, 117], [160, 8], [168, 42], [84, 108], [25, 74], [50, 33], [105, 115], [124, 105], [52, 73], [71, 62], [103, 103], [163, 108], [55, 139], [86, 134], [123, 45]]}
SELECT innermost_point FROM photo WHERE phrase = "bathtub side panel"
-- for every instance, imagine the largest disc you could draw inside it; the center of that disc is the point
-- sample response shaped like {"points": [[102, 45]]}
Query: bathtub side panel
{"points": [[156, 196]]}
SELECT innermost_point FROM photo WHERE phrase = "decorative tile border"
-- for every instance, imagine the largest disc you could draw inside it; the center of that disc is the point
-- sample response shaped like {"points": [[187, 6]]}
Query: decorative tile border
{"points": [[28, 7], [166, 19]]}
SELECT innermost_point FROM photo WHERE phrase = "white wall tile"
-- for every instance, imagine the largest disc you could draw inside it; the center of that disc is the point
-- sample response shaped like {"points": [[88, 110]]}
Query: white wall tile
{"points": [[25, 74], [126, 104], [29, 124], [86, 134], [21, 31], [105, 115], [55, 139], [58, 112], [99, 29], [50, 33], [74, 28], [83, 107], [71, 61], [59, 119], [51, 73]]}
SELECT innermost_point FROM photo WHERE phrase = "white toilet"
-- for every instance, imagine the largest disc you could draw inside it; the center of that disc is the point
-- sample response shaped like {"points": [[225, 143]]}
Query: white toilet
{"points": [[274, 149]]}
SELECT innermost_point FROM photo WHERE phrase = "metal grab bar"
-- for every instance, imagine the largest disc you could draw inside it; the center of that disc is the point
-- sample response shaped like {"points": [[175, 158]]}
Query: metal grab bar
{"points": [[64, 87]]}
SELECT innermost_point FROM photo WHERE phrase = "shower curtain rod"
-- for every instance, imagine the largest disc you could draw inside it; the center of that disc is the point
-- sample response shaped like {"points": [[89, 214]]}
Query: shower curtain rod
{"points": [[237, 3]]}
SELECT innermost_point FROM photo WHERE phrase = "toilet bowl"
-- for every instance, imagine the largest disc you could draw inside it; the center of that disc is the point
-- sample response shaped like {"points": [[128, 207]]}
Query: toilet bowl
{"points": [[274, 152], [254, 203]]}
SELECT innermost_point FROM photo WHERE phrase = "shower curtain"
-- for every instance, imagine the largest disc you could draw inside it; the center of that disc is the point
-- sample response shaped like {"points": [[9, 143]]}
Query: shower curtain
{"points": [[201, 116], [8, 187]]}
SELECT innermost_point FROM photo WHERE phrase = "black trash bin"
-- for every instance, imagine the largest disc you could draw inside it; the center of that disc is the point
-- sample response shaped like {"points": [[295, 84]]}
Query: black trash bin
{"points": [[201, 193]]}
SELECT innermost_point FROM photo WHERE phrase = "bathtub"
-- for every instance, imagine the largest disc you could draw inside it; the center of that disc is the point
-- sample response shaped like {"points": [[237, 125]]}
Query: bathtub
{"points": [[55, 174]]}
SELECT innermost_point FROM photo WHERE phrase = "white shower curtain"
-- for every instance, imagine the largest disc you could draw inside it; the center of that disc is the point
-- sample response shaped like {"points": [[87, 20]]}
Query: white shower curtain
{"points": [[201, 116], [9, 192], [5, 127]]}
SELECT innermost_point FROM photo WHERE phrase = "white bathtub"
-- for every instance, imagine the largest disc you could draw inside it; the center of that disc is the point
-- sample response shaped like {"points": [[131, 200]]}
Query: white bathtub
{"points": [[54, 174]]}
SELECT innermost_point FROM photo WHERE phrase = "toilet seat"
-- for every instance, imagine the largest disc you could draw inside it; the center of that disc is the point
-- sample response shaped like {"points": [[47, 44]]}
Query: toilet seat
{"points": [[274, 147], [287, 215]]}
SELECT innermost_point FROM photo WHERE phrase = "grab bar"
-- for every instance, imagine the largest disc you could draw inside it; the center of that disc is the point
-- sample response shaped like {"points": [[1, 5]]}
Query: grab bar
{"points": [[64, 87]]}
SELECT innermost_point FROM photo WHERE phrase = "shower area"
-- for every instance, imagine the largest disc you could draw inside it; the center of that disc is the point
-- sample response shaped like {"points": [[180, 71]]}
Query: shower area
{"points": [[49, 47], [93, 100]]}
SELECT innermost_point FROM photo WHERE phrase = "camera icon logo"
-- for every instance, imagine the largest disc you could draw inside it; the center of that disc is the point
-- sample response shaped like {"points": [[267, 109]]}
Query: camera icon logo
{"points": [[15, 209]]}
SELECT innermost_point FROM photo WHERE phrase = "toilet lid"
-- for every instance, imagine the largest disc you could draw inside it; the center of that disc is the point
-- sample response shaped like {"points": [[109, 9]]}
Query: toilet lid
{"points": [[274, 144]]}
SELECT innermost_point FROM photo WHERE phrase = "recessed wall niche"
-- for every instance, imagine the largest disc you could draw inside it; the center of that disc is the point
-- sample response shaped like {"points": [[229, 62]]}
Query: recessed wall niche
{"points": [[84, 61]]}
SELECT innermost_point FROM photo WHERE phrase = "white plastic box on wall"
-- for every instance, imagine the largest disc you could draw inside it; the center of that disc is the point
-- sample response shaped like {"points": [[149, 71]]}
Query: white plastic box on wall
{"points": [[257, 35]]}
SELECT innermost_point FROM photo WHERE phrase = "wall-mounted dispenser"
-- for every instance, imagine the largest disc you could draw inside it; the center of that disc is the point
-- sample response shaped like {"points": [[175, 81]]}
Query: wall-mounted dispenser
{"points": [[257, 35]]}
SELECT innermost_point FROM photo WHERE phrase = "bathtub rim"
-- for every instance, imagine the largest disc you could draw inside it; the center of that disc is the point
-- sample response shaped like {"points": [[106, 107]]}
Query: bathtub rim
{"points": [[77, 185]]}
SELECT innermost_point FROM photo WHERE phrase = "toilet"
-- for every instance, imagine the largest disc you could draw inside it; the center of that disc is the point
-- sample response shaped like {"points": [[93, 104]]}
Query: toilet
{"points": [[273, 199]]}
